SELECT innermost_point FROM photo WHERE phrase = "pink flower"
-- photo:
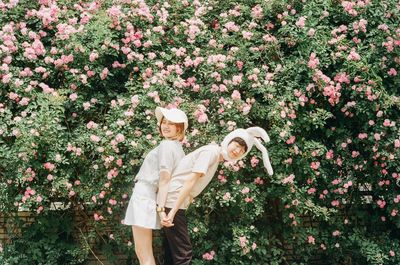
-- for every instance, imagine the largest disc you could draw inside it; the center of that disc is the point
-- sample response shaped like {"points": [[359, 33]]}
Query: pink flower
{"points": [[342, 78], [239, 65], [97, 217], [40, 209], [93, 56], [353, 56], [313, 61], [315, 165], [200, 114], [291, 140], [24, 101], [392, 72], [397, 143], [91, 125], [120, 138], [288, 179], [104, 73], [114, 11], [235, 95], [209, 255], [386, 123], [311, 190], [245, 190], [254, 161], [301, 22], [112, 173], [227, 196], [381, 203], [349, 7], [49, 166], [247, 35], [112, 201], [253, 246], [231, 26], [335, 203], [6, 78], [310, 240], [383, 27], [258, 181], [243, 241], [94, 138], [86, 105], [348, 184], [329, 154], [336, 181], [311, 32], [257, 12], [248, 199], [222, 178], [362, 136]]}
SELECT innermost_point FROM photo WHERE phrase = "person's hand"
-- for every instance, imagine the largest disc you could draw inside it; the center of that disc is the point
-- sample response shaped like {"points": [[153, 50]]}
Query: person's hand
{"points": [[162, 216], [164, 220], [170, 216]]}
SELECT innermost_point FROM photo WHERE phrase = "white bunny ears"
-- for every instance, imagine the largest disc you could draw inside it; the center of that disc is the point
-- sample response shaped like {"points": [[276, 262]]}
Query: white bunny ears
{"points": [[249, 135]]}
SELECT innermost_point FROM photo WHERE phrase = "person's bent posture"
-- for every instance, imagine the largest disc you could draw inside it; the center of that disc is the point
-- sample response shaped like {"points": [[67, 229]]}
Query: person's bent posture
{"points": [[193, 173]]}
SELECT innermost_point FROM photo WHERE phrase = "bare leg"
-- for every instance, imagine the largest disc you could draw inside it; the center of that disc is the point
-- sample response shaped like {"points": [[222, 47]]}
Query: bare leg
{"points": [[143, 238]]}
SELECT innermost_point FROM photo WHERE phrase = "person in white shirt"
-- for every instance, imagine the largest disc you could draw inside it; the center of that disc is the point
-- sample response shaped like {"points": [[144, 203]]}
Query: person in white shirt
{"points": [[151, 182], [193, 173]]}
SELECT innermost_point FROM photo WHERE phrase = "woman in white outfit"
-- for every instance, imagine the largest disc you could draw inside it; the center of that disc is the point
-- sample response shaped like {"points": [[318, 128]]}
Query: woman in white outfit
{"points": [[150, 191]]}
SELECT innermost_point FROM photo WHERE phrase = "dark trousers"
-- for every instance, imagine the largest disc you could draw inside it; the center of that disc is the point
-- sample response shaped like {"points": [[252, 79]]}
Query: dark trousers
{"points": [[178, 249]]}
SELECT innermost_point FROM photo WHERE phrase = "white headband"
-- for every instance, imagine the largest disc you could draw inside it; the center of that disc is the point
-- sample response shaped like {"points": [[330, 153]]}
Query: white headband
{"points": [[249, 135]]}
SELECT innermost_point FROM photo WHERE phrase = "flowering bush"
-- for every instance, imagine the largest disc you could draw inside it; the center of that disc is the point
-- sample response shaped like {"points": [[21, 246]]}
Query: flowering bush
{"points": [[80, 81]]}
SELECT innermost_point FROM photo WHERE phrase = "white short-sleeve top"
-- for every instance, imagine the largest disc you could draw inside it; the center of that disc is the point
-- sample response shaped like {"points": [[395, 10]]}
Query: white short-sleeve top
{"points": [[163, 157], [204, 160]]}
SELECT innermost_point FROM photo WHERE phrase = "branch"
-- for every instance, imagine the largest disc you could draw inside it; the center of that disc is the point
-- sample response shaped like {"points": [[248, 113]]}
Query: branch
{"points": [[87, 243]]}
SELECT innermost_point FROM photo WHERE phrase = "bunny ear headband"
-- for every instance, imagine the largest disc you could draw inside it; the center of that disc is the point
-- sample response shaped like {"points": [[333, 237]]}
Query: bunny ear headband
{"points": [[249, 135]]}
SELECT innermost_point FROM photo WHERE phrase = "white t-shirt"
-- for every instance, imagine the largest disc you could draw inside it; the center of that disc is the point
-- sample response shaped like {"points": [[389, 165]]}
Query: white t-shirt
{"points": [[164, 157], [203, 160]]}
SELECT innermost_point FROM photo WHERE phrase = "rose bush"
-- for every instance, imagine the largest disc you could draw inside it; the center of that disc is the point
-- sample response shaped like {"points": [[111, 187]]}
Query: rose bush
{"points": [[80, 81]]}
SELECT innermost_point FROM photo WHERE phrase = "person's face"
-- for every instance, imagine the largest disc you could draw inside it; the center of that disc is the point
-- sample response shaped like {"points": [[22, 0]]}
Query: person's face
{"points": [[168, 129], [235, 150]]}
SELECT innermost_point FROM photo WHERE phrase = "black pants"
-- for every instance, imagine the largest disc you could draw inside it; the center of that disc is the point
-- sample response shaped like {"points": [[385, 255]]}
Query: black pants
{"points": [[178, 249]]}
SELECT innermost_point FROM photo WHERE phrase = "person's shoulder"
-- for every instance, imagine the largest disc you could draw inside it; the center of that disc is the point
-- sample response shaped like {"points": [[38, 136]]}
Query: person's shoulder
{"points": [[170, 145], [212, 149], [167, 142]]}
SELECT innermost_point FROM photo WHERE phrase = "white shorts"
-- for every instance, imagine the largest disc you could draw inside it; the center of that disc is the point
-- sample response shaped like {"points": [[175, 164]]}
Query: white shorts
{"points": [[141, 209]]}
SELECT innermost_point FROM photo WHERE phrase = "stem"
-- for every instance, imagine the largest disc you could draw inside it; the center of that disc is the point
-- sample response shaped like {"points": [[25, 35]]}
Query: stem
{"points": [[87, 243]]}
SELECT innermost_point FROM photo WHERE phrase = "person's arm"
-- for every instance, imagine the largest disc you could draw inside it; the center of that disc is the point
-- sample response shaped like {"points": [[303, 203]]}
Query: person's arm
{"points": [[183, 194], [166, 157], [165, 177]]}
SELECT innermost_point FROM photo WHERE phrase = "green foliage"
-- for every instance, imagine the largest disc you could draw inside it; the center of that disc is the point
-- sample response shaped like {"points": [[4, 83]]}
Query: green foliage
{"points": [[48, 241], [79, 82]]}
